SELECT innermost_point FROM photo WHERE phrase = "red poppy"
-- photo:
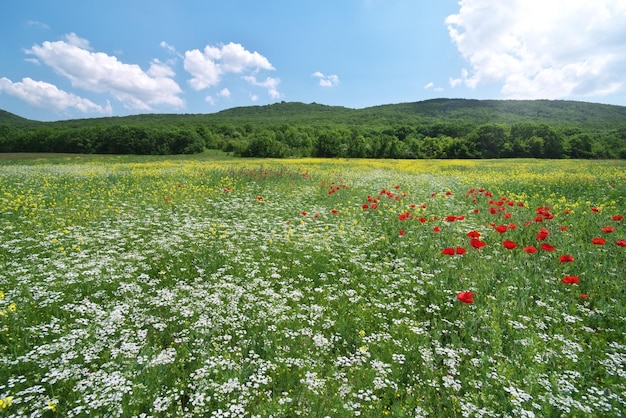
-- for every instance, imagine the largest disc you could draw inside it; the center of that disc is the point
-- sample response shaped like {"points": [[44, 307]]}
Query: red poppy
{"points": [[334, 211], [595, 209], [437, 229], [530, 249], [364, 207], [547, 247], [608, 229], [460, 250], [598, 241], [473, 234], [422, 220], [448, 251], [617, 217], [566, 258], [303, 213], [448, 193], [401, 232], [465, 297], [259, 198], [570, 280], [404, 216], [509, 245], [621, 243], [584, 296], [476, 243], [563, 228], [512, 226], [167, 199], [501, 228], [542, 234], [317, 215]]}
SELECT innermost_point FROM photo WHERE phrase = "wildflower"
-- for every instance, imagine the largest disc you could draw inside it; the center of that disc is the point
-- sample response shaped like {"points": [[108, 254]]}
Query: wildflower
{"points": [[460, 250], [465, 297], [437, 229], [473, 234], [509, 245], [598, 241], [570, 280], [566, 258], [401, 232], [608, 229], [594, 209], [259, 198], [6, 402], [334, 211], [303, 213], [501, 229], [530, 249], [476, 243], [621, 243], [404, 216], [584, 296], [448, 251], [547, 247], [617, 217], [542, 234], [563, 228]]}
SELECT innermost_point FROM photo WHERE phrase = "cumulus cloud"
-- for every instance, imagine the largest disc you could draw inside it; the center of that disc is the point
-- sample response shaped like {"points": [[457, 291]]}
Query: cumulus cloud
{"points": [[542, 49], [209, 66], [48, 96], [271, 84], [431, 86], [326, 80], [100, 72]]}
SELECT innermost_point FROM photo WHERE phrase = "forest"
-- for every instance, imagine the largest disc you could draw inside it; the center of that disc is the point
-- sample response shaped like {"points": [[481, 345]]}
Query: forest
{"points": [[439, 128]]}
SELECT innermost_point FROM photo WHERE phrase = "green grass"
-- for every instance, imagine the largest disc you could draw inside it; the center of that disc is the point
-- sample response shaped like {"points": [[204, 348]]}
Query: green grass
{"points": [[214, 286]]}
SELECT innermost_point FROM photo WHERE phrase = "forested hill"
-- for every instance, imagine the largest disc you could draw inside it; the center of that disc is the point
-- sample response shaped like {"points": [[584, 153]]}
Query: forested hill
{"points": [[438, 128]]}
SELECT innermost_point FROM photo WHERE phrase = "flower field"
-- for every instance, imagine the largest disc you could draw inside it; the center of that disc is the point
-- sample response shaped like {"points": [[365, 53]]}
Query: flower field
{"points": [[254, 288]]}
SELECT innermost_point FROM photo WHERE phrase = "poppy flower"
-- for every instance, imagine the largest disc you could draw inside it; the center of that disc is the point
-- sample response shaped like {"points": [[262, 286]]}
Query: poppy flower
{"points": [[570, 280], [621, 243], [476, 243], [595, 209], [401, 232], [598, 241], [404, 216], [530, 249], [501, 228], [303, 213], [584, 296], [473, 234], [460, 250], [437, 229], [509, 245], [465, 297], [448, 251], [542, 234], [617, 217], [608, 229], [334, 211], [365, 207], [422, 220], [563, 228], [566, 258], [259, 198], [547, 247]]}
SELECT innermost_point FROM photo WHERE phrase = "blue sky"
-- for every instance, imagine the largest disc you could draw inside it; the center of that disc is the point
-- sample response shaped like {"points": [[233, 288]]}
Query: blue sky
{"points": [[80, 59]]}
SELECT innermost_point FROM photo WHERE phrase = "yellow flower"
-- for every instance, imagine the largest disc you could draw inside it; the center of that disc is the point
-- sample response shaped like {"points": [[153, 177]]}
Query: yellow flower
{"points": [[52, 406], [12, 307], [6, 402], [1, 295]]}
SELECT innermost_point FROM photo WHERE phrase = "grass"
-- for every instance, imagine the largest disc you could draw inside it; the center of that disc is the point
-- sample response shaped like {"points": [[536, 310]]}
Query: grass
{"points": [[203, 286]]}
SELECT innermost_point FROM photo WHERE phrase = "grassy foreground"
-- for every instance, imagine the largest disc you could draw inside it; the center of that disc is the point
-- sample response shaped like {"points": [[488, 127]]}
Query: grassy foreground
{"points": [[313, 288]]}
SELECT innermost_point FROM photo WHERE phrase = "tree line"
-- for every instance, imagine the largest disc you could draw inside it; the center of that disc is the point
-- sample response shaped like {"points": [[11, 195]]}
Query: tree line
{"points": [[436, 140]]}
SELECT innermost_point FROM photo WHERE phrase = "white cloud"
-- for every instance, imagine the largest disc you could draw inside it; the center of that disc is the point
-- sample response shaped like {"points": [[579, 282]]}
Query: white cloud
{"points": [[542, 49], [208, 67], [431, 86], [326, 80], [271, 84], [99, 72], [48, 96], [224, 93]]}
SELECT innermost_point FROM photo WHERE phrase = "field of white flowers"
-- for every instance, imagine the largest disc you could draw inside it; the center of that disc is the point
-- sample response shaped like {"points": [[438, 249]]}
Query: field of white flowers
{"points": [[313, 288]]}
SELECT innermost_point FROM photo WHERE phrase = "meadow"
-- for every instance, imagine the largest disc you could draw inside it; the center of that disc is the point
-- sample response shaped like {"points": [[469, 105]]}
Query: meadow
{"points": [[195, 286]]}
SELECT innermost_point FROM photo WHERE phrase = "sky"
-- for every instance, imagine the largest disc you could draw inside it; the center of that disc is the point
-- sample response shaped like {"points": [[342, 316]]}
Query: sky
{"points": [[74, 59]]}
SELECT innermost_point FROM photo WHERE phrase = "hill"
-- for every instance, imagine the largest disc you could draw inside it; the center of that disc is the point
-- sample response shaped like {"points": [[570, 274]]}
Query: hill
{"points": [[438, 128], [465, 111]]}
